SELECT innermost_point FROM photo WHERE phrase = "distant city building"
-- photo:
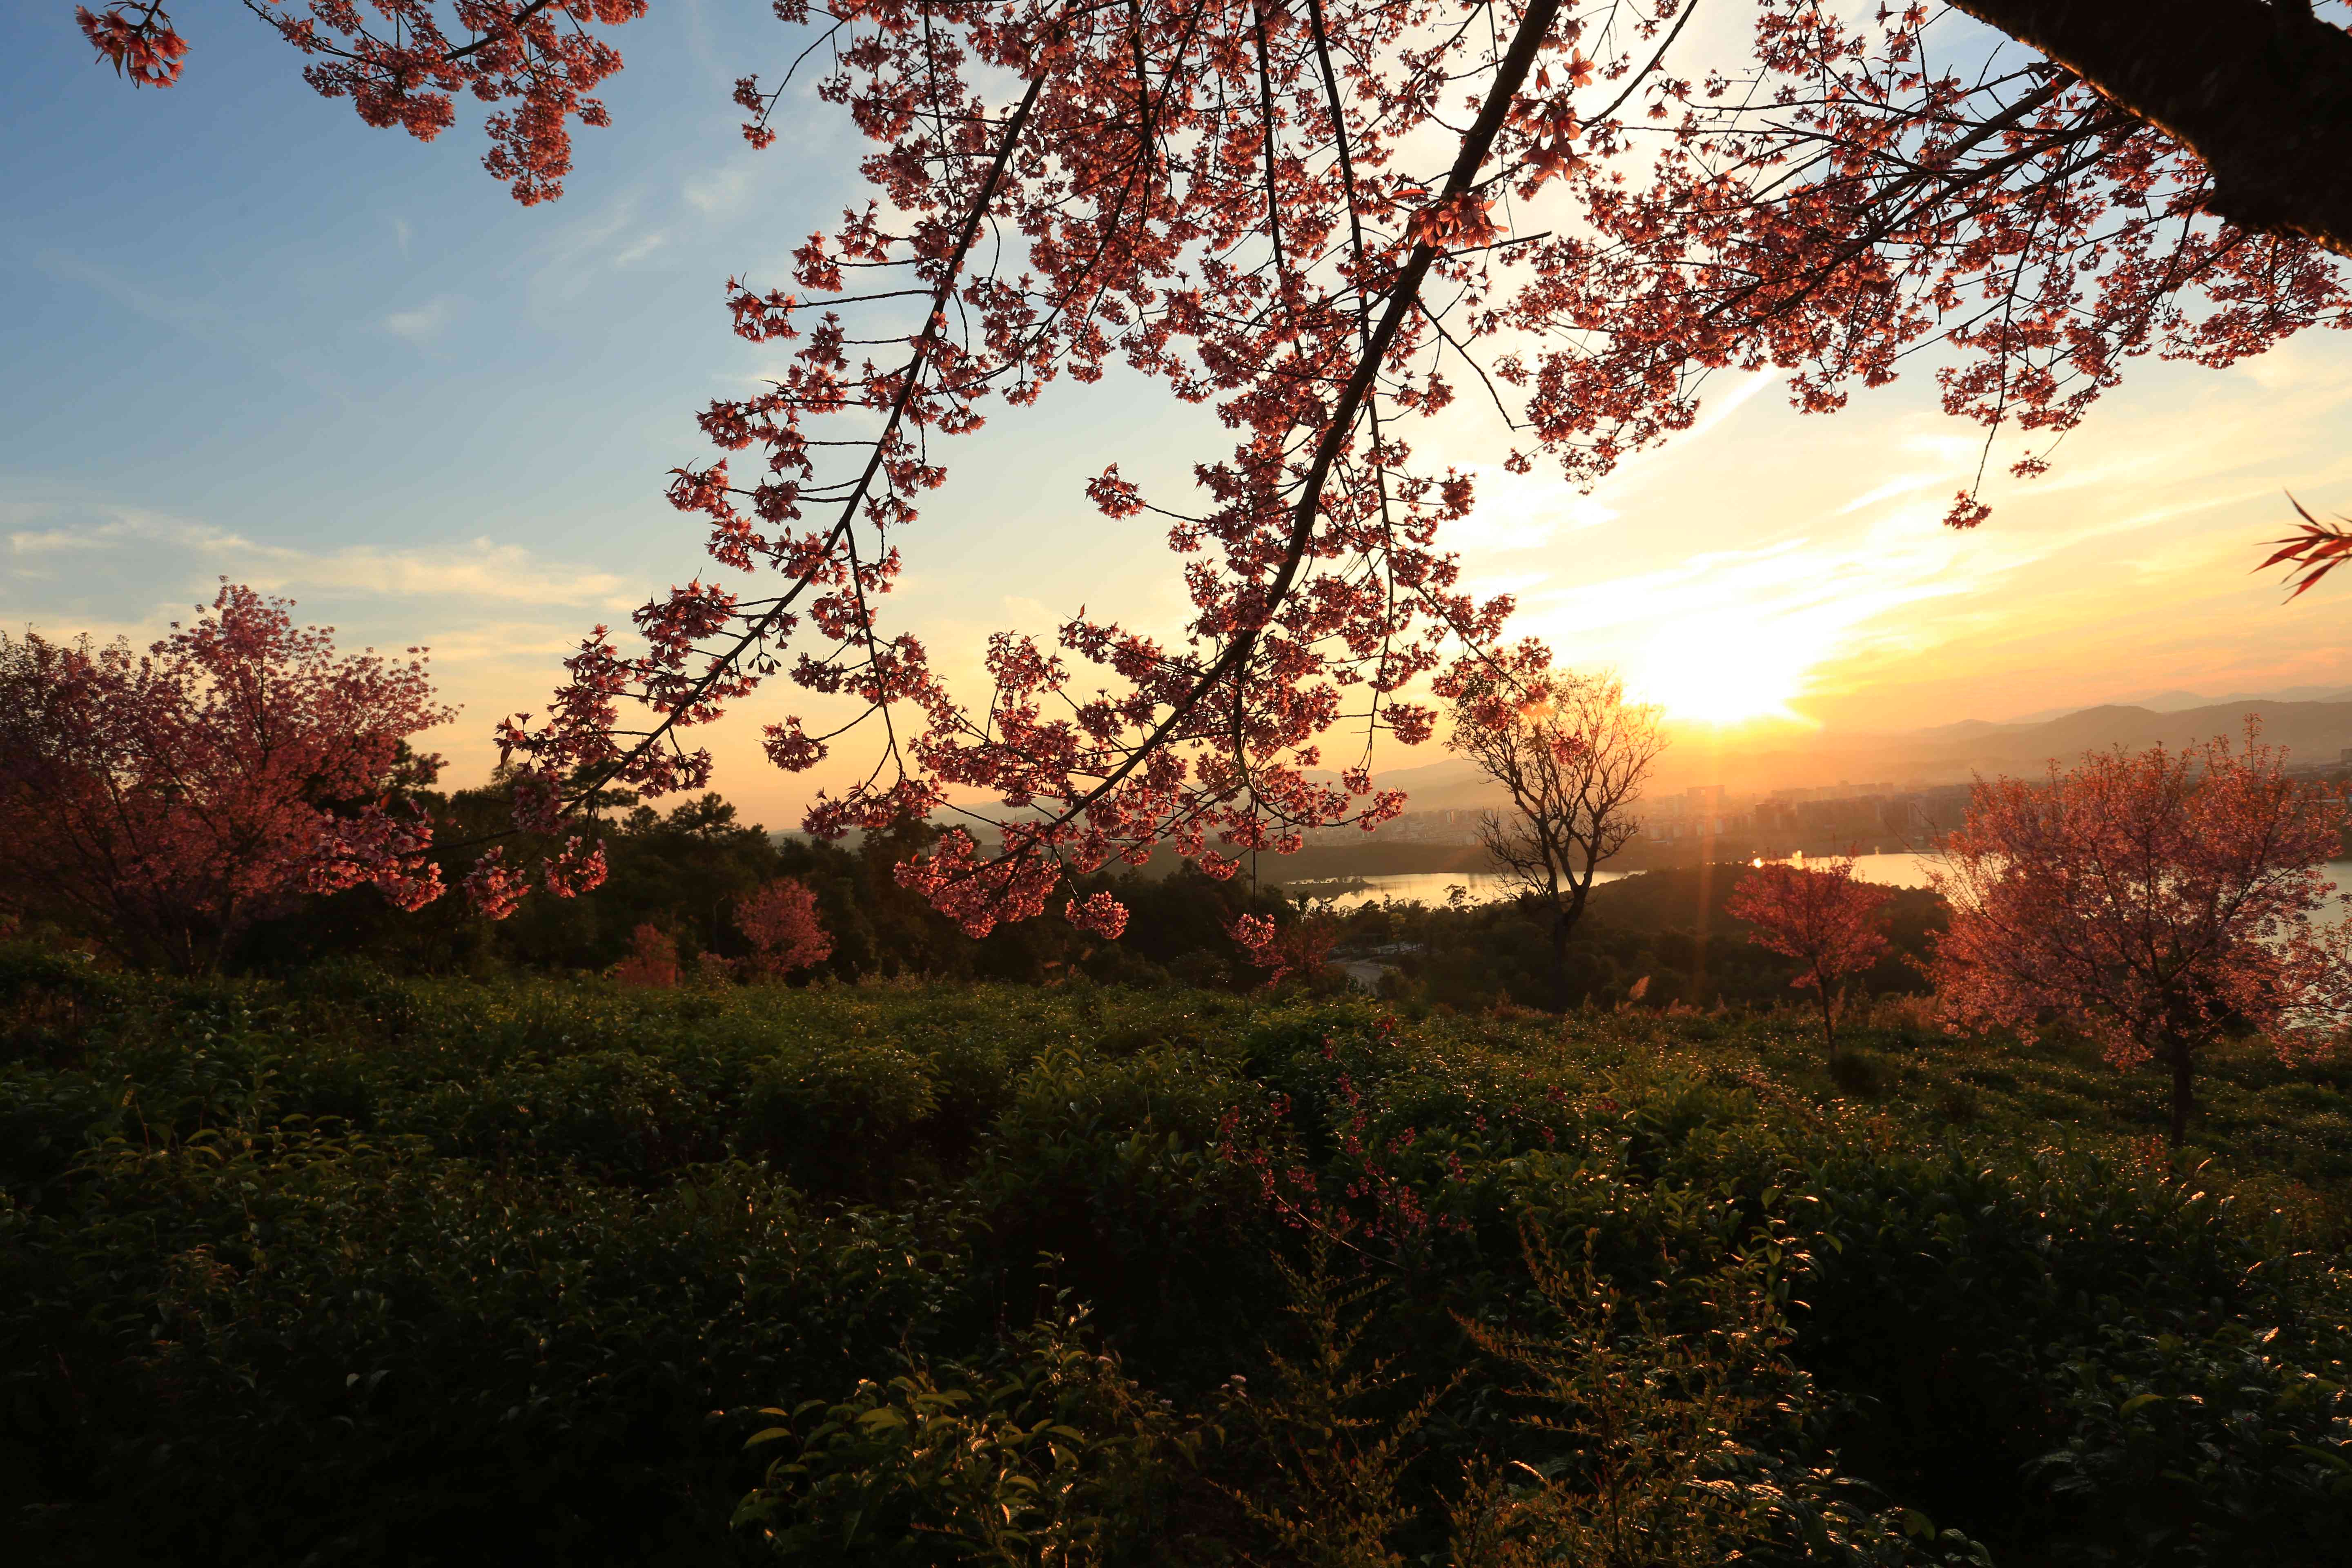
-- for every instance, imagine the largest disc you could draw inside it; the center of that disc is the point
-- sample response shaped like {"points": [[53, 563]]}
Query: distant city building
{"points": [[1453, 826], [1887, 818], [1701, 812]]}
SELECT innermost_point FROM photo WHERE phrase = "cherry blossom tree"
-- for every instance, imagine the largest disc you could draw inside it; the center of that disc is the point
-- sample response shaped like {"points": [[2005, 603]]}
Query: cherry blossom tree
{"points": [[1832, 925], [2152, 900], [1572, 754], [1301, 947], [652, 960], [169, 801], [1328, 217], [780, 920]]}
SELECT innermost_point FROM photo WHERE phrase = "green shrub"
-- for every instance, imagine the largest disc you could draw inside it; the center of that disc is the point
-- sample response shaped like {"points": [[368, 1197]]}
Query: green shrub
{"points": [[1049, 1454], [1862, 1076], [840, 1118], [357, 1270], [48, 1000], [2208, 1448], [1101, 1173]]}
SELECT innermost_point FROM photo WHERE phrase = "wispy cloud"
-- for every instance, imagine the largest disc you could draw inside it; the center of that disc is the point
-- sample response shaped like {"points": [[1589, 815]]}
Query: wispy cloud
{"points": [[1519, 512], [720, 192], [1900, 485], [642, 247], [476, 569], [190, 316], [261, 338], [119, 527], [426, 322], [479, 569], [49, 541], [570, 265]]}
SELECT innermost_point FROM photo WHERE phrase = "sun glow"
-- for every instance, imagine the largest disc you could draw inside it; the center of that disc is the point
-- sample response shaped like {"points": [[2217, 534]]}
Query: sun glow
{"points": [[1728, 667]]}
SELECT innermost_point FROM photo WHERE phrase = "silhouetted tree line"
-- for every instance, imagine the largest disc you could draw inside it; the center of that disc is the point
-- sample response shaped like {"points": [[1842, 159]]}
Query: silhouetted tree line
{"points": [[683, 871]]}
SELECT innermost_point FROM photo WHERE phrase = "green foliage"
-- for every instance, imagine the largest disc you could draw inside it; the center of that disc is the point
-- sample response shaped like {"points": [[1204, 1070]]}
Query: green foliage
{"points": [[1050, 1455], [47, 999], [359, 1270], [1658, 1440], [2164, 1425]]}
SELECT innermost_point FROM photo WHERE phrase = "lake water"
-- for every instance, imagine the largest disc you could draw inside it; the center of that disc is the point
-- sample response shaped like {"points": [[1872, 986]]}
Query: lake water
{"points": [[1894, 871], [1911, 871], [1424, 887]]}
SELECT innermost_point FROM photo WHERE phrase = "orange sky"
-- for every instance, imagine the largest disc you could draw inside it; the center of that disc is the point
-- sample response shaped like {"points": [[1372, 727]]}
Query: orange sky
{"points": [[1766, 564]]}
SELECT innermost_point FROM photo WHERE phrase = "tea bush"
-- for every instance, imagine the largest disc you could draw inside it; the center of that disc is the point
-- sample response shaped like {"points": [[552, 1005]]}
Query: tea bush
{"points": [[352, 1269]]}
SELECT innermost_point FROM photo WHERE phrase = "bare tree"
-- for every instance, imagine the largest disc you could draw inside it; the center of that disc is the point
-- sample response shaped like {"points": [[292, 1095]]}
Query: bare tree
{"points": [[1572, 754]]}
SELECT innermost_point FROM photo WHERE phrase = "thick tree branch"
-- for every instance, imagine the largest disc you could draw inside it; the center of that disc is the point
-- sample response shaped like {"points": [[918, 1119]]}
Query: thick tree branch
{"points": [[2263, 93]]}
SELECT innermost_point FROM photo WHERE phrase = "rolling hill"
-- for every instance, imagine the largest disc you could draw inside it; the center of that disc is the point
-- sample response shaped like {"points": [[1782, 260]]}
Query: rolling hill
{"points": [[2310, 732]]}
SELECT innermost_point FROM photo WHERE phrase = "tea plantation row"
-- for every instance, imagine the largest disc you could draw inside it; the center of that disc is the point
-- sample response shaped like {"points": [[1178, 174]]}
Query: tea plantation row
{"points": [[349, 1270]]}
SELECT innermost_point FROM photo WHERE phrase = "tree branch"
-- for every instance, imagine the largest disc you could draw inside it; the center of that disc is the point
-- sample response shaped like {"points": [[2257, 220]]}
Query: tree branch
{"points": [[2263, 93]]}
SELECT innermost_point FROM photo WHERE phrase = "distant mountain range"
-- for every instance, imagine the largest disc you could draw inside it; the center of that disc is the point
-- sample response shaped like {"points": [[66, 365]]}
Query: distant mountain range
{"points": [[2310, 730], [2167, 703]]}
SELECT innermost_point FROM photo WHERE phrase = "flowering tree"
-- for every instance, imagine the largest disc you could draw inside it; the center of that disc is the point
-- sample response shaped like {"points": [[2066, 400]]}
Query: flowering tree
{"points": [[2150, 901], [1324, 216], [1572, 754], [170, 801], [780, 920], [1832, 925], [1301, 947], [652, 960]]}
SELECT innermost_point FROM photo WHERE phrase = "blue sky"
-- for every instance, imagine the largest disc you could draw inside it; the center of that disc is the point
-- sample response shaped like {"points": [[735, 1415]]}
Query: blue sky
{"points": [[249, 335]]}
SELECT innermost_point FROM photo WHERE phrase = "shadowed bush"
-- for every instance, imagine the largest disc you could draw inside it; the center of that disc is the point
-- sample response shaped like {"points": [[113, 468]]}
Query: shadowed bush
{"points": [[353, 1270]]}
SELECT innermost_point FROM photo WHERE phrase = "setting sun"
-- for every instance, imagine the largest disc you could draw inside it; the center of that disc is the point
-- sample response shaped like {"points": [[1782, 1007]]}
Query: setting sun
{"points": [[1726, 667]]}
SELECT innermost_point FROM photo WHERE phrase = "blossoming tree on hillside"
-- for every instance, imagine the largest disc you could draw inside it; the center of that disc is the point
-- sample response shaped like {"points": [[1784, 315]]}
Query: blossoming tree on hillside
{"points": [[1328, 217], [166, 802], [651, 963], [1832, 925], [2152, 900], [780, 920]]}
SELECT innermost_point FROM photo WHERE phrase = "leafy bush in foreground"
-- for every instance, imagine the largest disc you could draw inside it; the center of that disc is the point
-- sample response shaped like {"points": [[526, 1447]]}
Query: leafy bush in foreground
{"points": [[355, 1270]]}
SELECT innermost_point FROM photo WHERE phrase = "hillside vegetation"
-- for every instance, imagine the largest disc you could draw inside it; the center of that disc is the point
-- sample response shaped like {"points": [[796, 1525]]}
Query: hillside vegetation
{"points": [[351, 1270]]}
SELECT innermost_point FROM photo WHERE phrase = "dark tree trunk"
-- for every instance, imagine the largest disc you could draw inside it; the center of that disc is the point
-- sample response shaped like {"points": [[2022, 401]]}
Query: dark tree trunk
{"points": [[1829, 1023], [2183, 1100], [1559, 924], [2262, 92]]}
